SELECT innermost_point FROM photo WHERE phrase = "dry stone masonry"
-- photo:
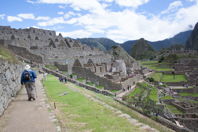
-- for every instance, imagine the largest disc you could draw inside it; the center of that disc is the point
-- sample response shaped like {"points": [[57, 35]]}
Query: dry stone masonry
{"points": [[45, 47], [10, 82]]}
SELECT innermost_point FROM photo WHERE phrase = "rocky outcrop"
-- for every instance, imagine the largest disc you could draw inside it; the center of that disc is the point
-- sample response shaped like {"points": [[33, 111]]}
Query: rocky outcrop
{"points": [[120, 54], [142, 50], [192, 42], [9, 82]]}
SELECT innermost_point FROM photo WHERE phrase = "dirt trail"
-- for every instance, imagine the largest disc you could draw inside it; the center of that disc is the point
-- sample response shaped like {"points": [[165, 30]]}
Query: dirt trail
{"points": [[26, 116]]}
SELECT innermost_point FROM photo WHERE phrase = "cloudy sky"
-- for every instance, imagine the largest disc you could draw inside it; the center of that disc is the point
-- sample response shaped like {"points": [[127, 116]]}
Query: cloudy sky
{"points": [[120, 20]]}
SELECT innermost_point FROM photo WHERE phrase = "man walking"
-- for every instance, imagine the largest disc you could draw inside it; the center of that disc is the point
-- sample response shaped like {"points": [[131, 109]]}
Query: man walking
{"points": [[28, 79]]}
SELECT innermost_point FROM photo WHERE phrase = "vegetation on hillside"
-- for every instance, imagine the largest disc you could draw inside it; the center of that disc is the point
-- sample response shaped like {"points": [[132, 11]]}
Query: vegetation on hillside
{"points": [[144, 96], [6, 54], [160, 77], [142, 50]]}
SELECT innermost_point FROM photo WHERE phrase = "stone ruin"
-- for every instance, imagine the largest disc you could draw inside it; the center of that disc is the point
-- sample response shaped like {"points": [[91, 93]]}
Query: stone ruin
{"points": [[188, 66], [45, 47]]}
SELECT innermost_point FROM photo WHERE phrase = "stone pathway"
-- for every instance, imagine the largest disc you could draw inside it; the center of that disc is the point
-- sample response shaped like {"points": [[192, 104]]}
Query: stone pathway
{"points": [[26, 116], [143, 127]]}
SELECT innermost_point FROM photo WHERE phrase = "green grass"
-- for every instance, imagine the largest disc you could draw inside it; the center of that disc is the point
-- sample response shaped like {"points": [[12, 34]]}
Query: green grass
{"points": [[81, 79], [141, 89], [135, 92], [52, 67], [189, 94], [153, 94], [100, 87], [90, 83], [154, 65], [167, 97], [6, 54], [114, 90], [148, 62], [134, 114], [173, 109], [168, 77], [79, 113]]}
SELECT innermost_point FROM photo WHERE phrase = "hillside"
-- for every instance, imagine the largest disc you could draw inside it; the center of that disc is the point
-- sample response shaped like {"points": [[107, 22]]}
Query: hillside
{"points": [[142, 50], [119, 53], [101, 43], [106, 44], [192, 42], [180, 38]]}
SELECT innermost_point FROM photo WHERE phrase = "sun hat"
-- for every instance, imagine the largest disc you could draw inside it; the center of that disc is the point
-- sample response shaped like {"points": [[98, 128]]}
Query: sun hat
{"points": [[27, 67]]}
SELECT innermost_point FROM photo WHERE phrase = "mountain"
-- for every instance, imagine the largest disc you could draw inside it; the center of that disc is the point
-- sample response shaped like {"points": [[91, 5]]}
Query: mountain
{"points": [[119, 53], [180, 38], [106, 44], [192, 42], [142, 50], [101, 43]]}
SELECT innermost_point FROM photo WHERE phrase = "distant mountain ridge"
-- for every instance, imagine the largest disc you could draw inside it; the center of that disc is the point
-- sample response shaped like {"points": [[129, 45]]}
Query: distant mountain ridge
{"points": [[192, 42], [106, 44], [142, 50], [101, 43], [180, 38]]}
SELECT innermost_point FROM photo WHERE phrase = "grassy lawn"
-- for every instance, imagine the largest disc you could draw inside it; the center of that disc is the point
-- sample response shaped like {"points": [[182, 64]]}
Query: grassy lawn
{"points": [[153, 94], [133, 114], [137, 91], [148, 62], [52, 67], [114, 90], [79, 113], [168, 77], [100, 87], [7, 55], [142, 88], [189, 94], [81, 79], [154, 65], [173, 109], [167, 97], [90, 83]]}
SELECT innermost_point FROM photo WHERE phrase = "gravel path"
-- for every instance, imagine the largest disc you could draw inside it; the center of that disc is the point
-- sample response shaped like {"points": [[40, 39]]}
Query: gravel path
{"points": [[26, 116]]}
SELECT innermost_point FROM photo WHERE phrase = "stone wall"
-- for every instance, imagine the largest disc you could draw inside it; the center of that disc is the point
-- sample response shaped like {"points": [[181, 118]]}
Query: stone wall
{"points": [[88, 75], [25, 53], [91, 88], [10, 83], [187, 90]]}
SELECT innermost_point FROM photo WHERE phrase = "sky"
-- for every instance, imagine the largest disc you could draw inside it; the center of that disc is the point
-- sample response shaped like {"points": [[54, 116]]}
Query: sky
{"points": [[119, 20]]}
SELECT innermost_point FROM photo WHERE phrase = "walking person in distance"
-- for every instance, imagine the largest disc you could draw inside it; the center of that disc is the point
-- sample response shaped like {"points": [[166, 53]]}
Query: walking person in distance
{"points": [[28, 79]]}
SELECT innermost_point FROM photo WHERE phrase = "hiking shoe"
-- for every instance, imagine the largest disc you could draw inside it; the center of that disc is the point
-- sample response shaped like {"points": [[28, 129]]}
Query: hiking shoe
{"points": [[29, 99], [33, 98]]}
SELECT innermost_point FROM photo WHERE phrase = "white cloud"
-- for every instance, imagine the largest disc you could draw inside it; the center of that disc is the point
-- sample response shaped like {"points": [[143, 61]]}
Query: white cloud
{"points": [[2, 16], [53, 21], [128, 24], [14, 18], [61, 7], [29, 16], [26, 16], [69, 14], [131, 3], [125, 24], [90, 5], [76, 34], [60, 13], [44, 18], [174, 6]]}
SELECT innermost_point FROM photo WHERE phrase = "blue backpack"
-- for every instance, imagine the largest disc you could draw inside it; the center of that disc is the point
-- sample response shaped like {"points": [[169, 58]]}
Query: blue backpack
{"points": [[27, 76]]}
